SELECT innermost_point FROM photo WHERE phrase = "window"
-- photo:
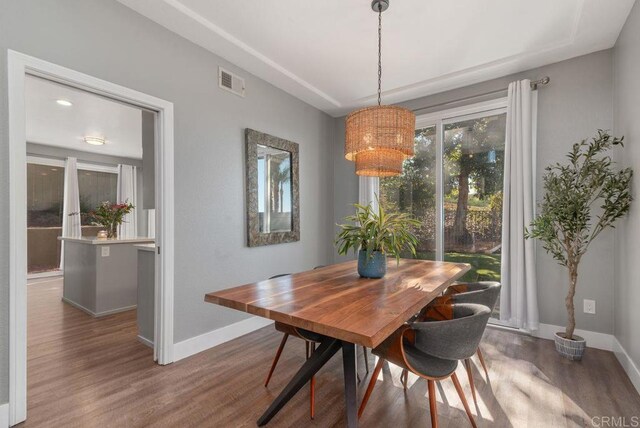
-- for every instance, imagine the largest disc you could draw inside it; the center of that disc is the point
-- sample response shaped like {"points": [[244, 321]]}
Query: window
{"points": [[415, 190], [45, 188], [453, 185], [45, 200], [473, 160], [95, 187]]}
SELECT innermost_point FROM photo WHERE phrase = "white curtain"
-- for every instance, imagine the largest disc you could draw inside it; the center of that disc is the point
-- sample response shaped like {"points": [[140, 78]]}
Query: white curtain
{"points": [[369, 191], [127, 192], [71, 224], [519, 299]]}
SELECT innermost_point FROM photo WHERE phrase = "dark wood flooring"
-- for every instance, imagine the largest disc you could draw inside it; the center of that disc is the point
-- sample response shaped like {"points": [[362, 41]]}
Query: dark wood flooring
{"points": [[84, 372]]}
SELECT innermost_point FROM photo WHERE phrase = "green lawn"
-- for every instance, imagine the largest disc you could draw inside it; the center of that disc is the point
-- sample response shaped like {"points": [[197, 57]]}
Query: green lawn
{"points": [[484, 267]]}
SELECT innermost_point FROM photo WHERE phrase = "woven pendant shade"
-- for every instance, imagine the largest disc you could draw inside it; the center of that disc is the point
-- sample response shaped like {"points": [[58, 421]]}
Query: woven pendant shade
{"points": [[381, 128], [379, 138], [379, 163]]}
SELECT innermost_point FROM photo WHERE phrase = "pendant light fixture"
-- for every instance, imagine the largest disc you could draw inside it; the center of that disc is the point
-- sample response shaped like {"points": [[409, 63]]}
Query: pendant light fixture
{"points": [[378, 139]]}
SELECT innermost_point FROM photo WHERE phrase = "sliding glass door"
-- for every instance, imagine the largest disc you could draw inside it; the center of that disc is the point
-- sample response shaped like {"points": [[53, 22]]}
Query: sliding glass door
{"points": [[45, 189], [45, 201], [453, 185], [415, 190]]}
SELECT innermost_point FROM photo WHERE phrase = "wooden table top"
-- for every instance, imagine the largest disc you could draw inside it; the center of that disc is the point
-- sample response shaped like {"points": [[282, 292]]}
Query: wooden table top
{"points": [[336, 302]]}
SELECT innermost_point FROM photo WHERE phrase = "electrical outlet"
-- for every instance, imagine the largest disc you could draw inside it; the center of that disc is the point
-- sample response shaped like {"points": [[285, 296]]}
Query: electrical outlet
{"points": [[589, 306], [105, 252]]}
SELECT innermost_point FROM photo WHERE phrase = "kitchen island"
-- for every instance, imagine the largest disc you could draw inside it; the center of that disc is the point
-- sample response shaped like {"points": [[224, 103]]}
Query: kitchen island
{"points": [[101, 275]]}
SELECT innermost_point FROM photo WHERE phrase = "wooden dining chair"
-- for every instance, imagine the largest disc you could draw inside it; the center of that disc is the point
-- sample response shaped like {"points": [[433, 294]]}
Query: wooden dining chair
{"points": [[432, 349], [482, 293], [311, 340]]}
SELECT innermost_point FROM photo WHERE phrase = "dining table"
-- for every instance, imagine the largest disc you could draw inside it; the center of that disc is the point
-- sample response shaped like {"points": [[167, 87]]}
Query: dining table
{"points": [[346, 309]]}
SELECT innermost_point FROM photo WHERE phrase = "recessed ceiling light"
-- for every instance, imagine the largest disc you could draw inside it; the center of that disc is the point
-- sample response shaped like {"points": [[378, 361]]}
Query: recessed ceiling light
{"points": [[65, 103], [95, 141]]}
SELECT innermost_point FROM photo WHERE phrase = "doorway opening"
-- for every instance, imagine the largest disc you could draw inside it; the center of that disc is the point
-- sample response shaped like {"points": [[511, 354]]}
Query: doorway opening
{"points": [[35, 213]]}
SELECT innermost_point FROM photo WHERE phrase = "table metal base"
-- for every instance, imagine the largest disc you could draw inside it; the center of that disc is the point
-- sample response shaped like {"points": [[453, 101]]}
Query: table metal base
{"points": [[327, 349]]}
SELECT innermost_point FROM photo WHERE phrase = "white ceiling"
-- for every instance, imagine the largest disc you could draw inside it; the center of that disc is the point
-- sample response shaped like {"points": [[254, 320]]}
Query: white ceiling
{"points": [[325, 52], [90, 115]]}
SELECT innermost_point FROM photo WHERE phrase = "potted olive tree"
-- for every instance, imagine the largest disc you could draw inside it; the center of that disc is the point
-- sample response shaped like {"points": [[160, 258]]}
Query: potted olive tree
{"points": [[376, 235], [582, 198]]}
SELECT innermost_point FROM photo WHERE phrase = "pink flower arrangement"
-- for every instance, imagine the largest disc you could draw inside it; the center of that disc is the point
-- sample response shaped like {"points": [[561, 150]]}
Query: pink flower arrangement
{"points": [[110, 216]]}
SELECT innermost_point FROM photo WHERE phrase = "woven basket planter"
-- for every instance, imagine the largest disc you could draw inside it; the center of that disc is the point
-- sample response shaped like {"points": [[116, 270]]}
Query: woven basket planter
{"points": [[571, 349]]}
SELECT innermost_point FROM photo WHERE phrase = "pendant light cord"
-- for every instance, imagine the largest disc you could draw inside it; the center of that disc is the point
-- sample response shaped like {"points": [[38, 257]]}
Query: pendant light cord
{"points": [[379, 54]]}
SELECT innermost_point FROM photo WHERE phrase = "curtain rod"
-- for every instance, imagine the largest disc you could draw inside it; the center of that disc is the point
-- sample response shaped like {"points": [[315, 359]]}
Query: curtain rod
{"points": [[534, 86], [37, 156]]}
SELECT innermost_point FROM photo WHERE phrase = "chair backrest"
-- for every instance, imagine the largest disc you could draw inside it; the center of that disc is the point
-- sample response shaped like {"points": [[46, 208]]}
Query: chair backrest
{"points": [[454, 339], [483, 293], [279, 275]]}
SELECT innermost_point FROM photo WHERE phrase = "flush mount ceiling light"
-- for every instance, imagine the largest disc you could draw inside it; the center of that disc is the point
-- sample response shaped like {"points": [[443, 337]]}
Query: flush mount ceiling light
{"points": [[379, 138], [94, 141], [65, 103]]}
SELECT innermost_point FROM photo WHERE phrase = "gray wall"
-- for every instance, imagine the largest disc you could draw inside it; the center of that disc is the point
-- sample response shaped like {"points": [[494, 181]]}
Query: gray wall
{"points": [[577, 102], [209, 126], [148, 159], [345, 183], [627, 122]]}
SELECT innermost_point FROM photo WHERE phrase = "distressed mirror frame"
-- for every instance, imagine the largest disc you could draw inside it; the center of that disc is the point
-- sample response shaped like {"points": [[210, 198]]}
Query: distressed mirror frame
{"points": [[255, 238]]}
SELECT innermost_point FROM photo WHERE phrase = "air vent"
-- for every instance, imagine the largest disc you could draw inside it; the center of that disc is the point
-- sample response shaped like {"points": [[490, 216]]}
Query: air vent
{"points": [[230, 82]]}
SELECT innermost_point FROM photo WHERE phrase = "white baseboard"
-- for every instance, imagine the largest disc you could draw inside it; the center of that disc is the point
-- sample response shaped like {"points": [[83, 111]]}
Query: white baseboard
{"points": [[627, 364], [97, 314], [192, 346], [594, 339], [145, 341], [115, 311], [4, 415]]}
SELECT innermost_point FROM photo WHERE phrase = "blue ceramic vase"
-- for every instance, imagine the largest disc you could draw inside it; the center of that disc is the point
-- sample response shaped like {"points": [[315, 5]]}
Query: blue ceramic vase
{"points": [[374, 266]]}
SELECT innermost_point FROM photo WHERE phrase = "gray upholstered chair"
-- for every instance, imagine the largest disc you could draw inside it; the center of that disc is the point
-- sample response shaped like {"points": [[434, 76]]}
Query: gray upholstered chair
{"points": [[482, 293], [432, 349]]}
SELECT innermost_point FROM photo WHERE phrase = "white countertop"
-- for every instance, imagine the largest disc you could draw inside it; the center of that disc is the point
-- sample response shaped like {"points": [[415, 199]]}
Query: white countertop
{"points": [[95, 241], [146, 247]]}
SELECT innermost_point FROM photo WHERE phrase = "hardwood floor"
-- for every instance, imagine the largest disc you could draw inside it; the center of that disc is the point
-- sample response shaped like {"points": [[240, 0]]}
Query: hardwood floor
{"points": [[84, 372]]}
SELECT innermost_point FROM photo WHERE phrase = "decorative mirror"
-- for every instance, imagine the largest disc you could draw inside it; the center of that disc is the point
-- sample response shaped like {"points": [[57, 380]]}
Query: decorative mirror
{"points": [[273, 215]]}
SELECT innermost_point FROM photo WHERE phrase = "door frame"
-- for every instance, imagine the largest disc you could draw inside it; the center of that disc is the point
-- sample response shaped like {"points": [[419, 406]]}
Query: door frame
{"points": [[19, 66]]}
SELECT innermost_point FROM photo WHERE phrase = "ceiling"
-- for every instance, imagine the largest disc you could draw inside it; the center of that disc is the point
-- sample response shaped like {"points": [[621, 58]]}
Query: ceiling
{"points": [[325, 52], [90, 115]]}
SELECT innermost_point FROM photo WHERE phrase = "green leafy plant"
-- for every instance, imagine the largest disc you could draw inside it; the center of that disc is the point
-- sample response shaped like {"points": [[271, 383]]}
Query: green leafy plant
{"points": [[371, 230], [567, 223]]}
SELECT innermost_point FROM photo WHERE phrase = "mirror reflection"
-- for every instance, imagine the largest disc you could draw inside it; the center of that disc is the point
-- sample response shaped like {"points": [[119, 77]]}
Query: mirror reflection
{"points": [[274, 189]]}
